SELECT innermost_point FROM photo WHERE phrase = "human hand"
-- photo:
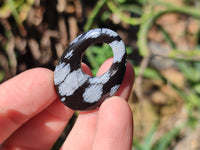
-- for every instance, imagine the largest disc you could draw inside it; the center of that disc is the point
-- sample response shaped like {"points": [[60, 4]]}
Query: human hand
{"points": [[32, 117]]}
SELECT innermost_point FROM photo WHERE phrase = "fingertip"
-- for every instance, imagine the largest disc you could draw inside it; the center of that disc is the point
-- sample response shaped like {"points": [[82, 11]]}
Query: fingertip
{"points": [[116, 106], [114, 125], [28, 87], [116, 110], [105, 66], [24, 96], [86, 69]]}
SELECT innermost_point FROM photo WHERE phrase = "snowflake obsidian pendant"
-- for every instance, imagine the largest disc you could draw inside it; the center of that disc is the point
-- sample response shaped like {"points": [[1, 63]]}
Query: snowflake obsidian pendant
{"points": [[80, 91]]}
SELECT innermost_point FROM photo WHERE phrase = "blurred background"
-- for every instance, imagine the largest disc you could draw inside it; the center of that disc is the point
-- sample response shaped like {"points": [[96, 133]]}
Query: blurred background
{"points": [[162, 39]]}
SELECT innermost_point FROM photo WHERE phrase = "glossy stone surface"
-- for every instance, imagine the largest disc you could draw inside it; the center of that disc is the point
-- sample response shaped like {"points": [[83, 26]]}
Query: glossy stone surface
{"points": [[80, 91]]}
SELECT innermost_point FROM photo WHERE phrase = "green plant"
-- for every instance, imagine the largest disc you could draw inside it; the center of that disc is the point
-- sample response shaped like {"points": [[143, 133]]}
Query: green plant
{"points": [[162, 143], [146, 144], [145, 21], [16, 8], [192, 72], [1, 76], [167, 138]]}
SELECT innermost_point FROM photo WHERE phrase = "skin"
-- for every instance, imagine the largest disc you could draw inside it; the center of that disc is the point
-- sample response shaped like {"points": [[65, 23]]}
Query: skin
{"points": [[32, 117]]}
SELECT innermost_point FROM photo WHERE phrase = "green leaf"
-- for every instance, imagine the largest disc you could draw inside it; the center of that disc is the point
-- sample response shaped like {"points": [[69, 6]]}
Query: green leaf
{"points": [[197, 88], [120, 1], [129, 50], [167, 139], [134, 8], [148, 73], [1, 76], [136, 145], [193, 99], [105, 16], [189, 71], [147, 144]]}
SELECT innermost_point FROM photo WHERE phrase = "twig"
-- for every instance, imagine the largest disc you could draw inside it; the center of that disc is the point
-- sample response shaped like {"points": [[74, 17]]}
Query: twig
{"points": [[11, 54], [151, 17], [62, 31], [138, 80], [123, 17], [73, 28], [93, 14], [16, 17], [4, 64], [34, 48]]}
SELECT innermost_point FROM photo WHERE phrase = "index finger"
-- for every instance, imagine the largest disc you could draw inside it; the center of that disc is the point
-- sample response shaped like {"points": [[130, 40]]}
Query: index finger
{"points": [[24, 96]]}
